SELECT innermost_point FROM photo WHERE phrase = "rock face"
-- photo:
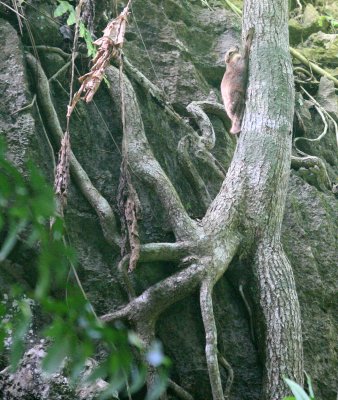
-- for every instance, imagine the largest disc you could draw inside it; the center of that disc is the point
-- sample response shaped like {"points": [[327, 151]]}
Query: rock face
{"points": [[178, 45], [30, 382]]}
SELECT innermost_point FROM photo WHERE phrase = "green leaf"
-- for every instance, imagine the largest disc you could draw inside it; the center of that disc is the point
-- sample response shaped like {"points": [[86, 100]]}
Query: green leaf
{"points": [[56, 353], [297, 390], [138, 377], [17, 349], [21, 325], [289, 398], [63, 8], [135, 340], [71, 19], [11, 239], [309, 384], [82, 29]]}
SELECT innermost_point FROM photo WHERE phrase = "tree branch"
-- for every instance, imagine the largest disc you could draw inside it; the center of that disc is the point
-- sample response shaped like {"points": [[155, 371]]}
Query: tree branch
{"points": [[143, 163], [152, 252], [152, 302]]}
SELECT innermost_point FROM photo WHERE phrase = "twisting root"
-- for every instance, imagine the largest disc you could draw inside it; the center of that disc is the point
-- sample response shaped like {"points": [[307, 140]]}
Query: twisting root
{"points": [[308, 161], [315, 102], [191, 172], [201, 146], [230, 372], [211, 351], [313, 162]]}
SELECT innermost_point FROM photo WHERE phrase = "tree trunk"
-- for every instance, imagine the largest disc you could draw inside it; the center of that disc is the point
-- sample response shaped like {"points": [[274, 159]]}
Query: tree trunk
{"points": [[244, 219], [246, 216]]}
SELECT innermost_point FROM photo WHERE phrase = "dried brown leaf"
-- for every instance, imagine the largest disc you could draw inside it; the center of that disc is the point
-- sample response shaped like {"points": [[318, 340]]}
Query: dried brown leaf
{"points": [[109, 47], [62, 170]]}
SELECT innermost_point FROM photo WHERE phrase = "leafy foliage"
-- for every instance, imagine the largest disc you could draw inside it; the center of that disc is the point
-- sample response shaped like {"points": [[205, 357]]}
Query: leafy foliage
{"points": [[75, 333], [298, 392], [65, 7]]}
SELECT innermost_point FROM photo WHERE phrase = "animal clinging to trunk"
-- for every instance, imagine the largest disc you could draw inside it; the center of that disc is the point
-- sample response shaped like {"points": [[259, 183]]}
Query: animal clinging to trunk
{"points": [[234, 82]]}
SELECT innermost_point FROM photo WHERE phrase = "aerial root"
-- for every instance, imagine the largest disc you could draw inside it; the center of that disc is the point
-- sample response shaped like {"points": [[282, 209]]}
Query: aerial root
{"points": [[51, 49], [152, 252], [211, 351], [191, 172], [160, 98], [222, 360], [97, 201], [313, 162], [142, 162], [27, 107], [179, 391]]}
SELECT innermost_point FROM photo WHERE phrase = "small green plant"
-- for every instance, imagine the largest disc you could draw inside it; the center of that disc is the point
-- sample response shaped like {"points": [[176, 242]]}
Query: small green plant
{"points": [[298, 392], [206, 4], [75, 333], [65, 7]]}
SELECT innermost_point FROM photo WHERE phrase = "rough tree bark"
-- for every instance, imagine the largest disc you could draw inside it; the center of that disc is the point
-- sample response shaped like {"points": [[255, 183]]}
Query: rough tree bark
{"points": [[243, 220], [245, 217]]}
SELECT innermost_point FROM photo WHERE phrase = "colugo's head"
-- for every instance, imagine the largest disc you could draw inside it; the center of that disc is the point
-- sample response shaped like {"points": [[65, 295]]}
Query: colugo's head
{"points": [[229, 55]]}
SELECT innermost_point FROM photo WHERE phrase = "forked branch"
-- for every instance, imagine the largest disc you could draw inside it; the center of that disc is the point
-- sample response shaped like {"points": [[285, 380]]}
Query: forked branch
{"points": [[143, 163]]}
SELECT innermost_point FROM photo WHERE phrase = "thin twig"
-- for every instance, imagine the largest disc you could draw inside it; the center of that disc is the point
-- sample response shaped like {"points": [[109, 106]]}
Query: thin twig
{"points": [[12, 9], [30, 105]]}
